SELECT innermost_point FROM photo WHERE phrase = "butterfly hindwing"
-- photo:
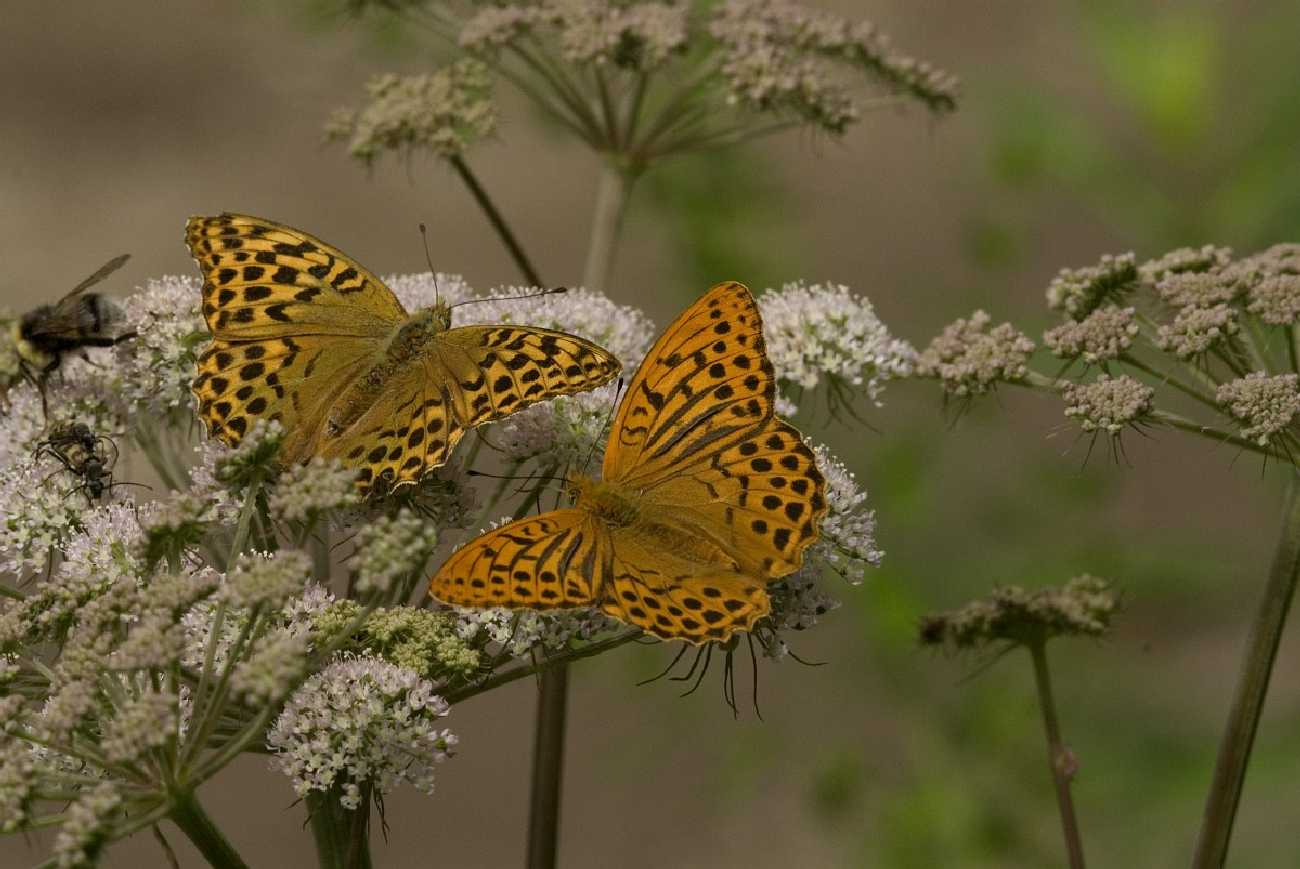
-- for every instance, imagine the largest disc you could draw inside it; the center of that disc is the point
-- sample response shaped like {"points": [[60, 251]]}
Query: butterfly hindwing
{"points": [[239, 382], [762, 499], [552, 561], [677, 598], [263, 279], [408, 430]]}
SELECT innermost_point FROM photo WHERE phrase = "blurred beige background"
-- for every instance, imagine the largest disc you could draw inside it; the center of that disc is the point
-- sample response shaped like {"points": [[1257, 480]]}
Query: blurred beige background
{"points": [[120, 120]]}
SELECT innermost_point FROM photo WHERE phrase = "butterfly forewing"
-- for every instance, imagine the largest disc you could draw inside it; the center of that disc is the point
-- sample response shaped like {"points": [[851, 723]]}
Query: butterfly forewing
{"points": [[552, 561], [503, 369], [263, 279], [703, 384]]}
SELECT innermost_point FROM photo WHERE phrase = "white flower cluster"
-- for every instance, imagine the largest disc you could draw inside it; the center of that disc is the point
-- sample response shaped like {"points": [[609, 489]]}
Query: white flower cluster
{"points": [[822, 331], [425, 289], [442, 112], [361, 720], [569, 432], [153, 370], [390, 548], [848, 533], [521, 632], [304, 492]]}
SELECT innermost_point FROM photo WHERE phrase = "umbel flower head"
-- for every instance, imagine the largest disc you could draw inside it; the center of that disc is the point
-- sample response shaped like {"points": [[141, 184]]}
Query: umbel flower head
{"points": [[1108, 404], [823, 332], [970, 359], [361, 721], [442, 112], [644, 79], [1084, 607]]}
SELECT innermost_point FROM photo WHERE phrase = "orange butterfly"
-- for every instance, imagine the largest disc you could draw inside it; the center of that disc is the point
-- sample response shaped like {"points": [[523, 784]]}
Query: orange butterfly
{"points": [[706, 496]]}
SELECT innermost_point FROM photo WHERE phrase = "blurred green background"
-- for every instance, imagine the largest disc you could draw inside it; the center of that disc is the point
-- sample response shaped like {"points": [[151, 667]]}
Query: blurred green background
{"points": [[1085, 128]]}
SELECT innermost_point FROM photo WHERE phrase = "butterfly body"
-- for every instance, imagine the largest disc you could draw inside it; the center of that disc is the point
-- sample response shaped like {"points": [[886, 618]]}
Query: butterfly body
{"points": [[705, 496], [304, 335]]}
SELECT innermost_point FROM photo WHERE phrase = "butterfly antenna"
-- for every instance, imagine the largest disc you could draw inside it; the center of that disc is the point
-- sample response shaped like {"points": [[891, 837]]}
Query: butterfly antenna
{"points": [[591, 453], [428, 260], [527, 478], [551, 292]]}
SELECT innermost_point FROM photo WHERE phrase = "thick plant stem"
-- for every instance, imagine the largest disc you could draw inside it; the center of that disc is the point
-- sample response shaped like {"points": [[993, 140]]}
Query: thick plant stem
{"points": [[1252, 687], [498, 222], [1058, 756], [187, 814], [342, 835], [606, 224], [548, 768]]}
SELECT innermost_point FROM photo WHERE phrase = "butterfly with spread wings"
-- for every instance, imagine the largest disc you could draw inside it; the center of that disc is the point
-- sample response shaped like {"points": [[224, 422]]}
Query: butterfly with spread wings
{"points": [[706, 496], [303, 334]]}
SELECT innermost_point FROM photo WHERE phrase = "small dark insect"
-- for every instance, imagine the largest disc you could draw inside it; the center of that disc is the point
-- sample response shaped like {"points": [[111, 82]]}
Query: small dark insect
{"points": [[83, 454], [75, 322]]}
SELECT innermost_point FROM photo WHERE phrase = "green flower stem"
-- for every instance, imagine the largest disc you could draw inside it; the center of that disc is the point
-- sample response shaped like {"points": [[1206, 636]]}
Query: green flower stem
{"points": [[1058, 756], [1163, 377], [498, 222], [1215, 434], [523, 672], [11, 593], [1252, 688], [187, 814], [329, 835], [607, 222], [548, 767], [1034, 380]]}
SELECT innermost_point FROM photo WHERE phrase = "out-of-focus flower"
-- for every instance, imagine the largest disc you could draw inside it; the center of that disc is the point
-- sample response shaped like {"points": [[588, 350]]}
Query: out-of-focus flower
{"points": [[569, 432], [1199, 289], [443, 113], [1079, 292], [782, 57], [391, 548], [1102, 336], [1186, 260], [822, 331], [1108, 404], [268, 581], [254, 460], [153, 370], [359, 721], [141, 723], [1083, 607], [970, 358], [1266, 406], [82, 833], [1275, 299], [304, 492], [1195, 330]]}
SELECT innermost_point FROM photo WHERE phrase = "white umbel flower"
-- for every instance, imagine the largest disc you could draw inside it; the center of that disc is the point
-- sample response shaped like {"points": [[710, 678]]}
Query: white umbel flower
{"points": [[820, 331], [361, 720]]}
